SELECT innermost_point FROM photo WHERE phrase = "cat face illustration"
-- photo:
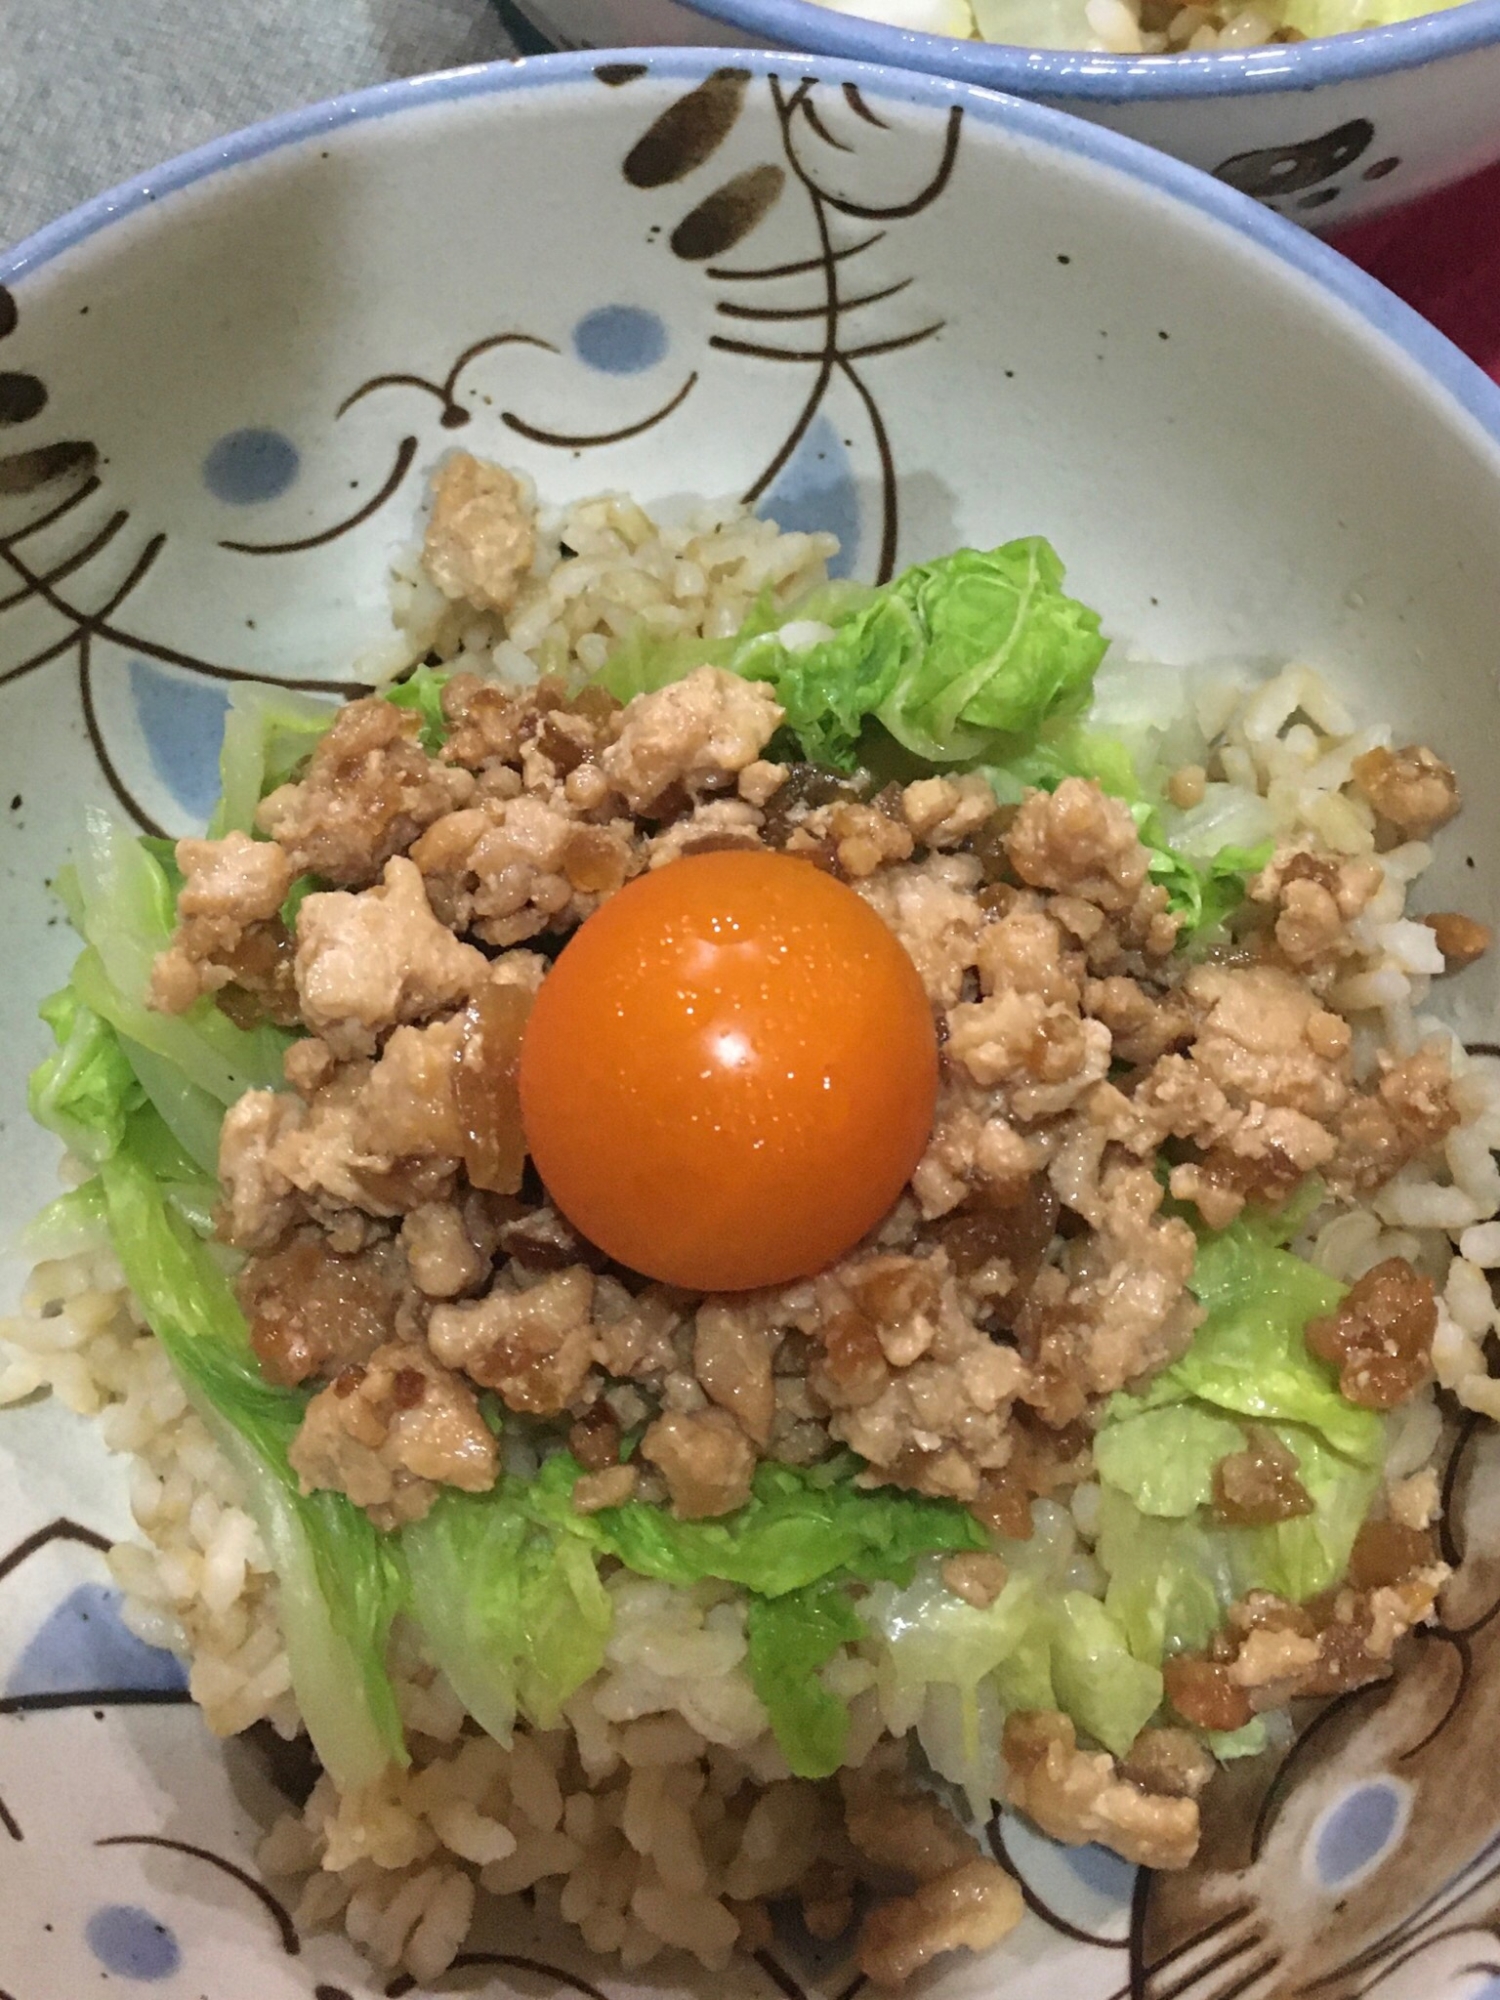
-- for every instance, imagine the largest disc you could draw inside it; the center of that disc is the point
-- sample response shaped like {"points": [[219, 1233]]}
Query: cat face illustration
{"points": [[1275, 171], [223, 525]]}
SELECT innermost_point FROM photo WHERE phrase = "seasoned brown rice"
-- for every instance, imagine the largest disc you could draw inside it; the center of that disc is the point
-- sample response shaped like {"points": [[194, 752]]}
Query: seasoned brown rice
{"points": [[665, 1811]]}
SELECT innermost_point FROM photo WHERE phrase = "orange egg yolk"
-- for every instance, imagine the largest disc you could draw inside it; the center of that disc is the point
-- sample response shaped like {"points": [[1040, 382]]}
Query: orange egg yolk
{"points": [[729, 1073]]}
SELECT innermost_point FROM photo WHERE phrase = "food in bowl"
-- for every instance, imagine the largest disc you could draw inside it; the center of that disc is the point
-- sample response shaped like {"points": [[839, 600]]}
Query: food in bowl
{"points": [[1137, 27], [745, 1214]]}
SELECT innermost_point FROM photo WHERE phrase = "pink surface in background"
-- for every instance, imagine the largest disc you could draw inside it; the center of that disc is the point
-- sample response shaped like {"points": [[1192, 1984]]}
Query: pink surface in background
{"points": [[1442, 255]]}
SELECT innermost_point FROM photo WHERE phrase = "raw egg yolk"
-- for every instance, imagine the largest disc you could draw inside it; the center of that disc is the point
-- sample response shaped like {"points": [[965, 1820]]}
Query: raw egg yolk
{"points": [[729, 1073]]}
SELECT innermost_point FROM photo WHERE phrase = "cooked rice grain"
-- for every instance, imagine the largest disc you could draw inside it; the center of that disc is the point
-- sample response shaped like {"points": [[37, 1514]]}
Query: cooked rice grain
{"points": [[606, 568], [663, 1814]]}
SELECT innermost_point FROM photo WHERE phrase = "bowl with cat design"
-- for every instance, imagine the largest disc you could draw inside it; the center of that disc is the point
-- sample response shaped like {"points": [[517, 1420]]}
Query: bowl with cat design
{"points": [[663, 273]]}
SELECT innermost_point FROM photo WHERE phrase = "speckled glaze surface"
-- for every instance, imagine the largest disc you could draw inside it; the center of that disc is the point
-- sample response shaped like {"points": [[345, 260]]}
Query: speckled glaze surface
{"points": [[220, 390], [1327, 132]]}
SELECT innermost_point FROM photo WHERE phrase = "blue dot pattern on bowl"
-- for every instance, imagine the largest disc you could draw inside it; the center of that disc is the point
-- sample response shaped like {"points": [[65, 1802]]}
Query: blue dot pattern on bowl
{"points": [[84, 1645], [1086, 1892], [1105, 1873], [620, 340], [131, 1943], [1357, 1830], [249, 466], [815, 489], [183, 723]]}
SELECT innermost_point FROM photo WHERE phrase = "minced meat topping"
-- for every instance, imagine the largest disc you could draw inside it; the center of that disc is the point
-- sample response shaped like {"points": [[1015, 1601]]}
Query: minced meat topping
{"points": [[1100, 1093], [1032, 1269]]}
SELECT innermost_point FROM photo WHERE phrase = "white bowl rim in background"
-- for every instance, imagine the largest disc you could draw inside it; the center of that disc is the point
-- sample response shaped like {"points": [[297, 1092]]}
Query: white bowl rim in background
{"points": [[1112, 79]]}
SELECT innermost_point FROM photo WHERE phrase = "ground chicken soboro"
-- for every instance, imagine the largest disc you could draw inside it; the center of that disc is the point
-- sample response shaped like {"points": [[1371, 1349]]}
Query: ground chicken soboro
{"points": [[912, 1354], [395, 1262]]}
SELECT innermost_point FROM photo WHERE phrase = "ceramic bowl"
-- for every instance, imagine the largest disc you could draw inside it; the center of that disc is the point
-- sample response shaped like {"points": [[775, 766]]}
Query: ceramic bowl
{"points": [[881, 302], [1328, 132]]}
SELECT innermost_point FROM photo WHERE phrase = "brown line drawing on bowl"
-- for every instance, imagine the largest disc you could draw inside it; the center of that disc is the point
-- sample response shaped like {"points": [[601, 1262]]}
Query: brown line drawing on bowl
{"points": [[810, 113], [514, 1962], [780, 1978], [834, 358], [891, 346], [127, 798], [730, 311], [60, 1530], [454, 416], [725, 217], [28, 471], [682, 138], [1307, 1739], [797, 113], [291, 1944], [689, 132], [1411, 1939], [918, 202], [77, 560], [100, 1697], [1448, 1540], [469, 1961], [83, 627], [1417, 1932], [1142, 1971], [406, 451], [1037, 1904], [22, 397], [798, 269], [854, 98], [1464, 1656], [1405, 1958], [1490, 1966], [564, 442]]}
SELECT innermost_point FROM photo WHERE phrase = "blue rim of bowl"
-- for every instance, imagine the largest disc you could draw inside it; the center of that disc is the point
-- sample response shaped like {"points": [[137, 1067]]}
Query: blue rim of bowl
{"points": [[1430, 355], [1103, 79]]}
